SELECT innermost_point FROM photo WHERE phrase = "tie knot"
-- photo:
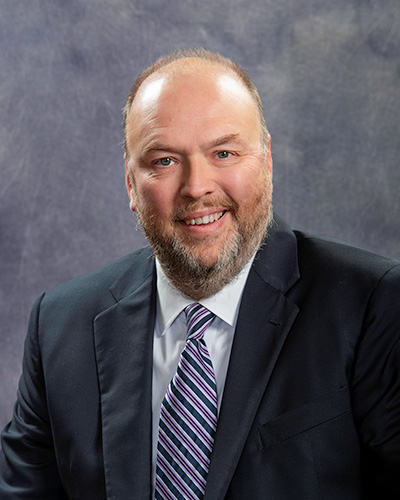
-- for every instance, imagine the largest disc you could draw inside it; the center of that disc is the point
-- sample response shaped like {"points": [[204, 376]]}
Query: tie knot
{"points": [[198, 319]]}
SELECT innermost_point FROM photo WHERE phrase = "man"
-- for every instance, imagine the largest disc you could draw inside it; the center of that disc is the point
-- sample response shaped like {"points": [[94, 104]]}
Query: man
{"points": [[301, 350]]}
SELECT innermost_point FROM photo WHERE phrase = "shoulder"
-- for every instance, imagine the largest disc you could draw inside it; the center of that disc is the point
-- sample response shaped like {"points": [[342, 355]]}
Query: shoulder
{"points": [[352, 281], [309, 264], [328, 257], [93, 289]]}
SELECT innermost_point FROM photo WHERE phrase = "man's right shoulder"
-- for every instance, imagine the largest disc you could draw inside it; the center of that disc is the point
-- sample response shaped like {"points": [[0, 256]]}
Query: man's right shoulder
{"points": [[130, 270]]}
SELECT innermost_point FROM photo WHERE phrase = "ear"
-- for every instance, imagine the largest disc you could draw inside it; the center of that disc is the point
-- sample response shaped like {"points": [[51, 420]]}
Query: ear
{"points": [[130, 186], [268, 157]]}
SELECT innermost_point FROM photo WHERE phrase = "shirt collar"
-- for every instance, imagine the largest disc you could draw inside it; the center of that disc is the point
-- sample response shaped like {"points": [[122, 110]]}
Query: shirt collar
{"points": [[224, 304]]}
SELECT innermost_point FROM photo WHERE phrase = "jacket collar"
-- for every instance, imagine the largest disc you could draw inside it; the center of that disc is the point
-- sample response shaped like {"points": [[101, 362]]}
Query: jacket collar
{"points": [[132, 279], [276, 262]]}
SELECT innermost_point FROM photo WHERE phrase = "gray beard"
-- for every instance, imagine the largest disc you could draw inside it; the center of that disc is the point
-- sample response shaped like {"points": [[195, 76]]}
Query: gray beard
{"points": [[193, 277]]}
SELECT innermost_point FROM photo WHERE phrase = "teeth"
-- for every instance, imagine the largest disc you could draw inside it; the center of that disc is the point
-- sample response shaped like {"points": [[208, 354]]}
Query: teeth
{"points": [[207, 219]]}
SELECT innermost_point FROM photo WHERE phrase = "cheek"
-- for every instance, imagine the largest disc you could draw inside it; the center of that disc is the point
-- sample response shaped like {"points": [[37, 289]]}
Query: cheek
{"points": [[245, 186], [155, 198]]}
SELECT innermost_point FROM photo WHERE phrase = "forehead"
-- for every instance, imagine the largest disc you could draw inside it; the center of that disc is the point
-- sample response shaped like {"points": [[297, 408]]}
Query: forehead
{"points": [[183, 95], [187, 79]]}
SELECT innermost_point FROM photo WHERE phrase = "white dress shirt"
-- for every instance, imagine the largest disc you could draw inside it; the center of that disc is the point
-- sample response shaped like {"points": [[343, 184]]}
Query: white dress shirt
{"points": [[170, 336]]}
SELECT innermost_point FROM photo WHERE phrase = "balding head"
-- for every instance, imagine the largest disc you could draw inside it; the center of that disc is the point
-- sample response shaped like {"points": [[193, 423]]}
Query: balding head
{"points": [[182, 61]]}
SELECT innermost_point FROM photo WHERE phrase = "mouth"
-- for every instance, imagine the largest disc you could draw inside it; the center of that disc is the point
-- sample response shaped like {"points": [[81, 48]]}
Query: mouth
{"points": [[206, 219]]}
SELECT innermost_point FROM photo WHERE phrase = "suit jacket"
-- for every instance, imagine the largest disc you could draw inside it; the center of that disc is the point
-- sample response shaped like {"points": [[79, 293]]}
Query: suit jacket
{"points": [[311, 407]]}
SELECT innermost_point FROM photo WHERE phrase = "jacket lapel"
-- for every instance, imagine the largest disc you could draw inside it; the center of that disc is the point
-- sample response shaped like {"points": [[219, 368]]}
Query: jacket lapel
{"points": [[265, 319], [123, 336]]}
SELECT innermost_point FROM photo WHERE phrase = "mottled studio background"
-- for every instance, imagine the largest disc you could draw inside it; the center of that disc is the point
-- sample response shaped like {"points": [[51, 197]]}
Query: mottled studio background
{"points": [[329, 76]]}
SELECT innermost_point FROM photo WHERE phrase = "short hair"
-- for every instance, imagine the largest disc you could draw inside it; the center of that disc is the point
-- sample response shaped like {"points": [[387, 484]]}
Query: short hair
{"points": [[197, 54]]}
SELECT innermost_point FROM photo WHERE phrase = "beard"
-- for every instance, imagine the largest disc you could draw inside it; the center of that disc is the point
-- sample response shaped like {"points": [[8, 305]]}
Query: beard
{"points": [[193, 274]]}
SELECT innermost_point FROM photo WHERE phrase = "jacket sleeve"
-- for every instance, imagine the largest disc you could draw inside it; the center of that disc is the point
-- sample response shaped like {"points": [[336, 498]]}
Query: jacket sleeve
{"points": [[376, 390], [28, 467]]}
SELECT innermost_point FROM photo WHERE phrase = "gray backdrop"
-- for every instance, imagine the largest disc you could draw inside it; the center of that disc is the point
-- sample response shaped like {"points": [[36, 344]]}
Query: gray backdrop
{"points": [[328, 73]]}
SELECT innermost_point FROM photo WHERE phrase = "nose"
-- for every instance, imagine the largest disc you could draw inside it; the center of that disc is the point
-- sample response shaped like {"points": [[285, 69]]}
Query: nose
{"points": [[197, 179]]}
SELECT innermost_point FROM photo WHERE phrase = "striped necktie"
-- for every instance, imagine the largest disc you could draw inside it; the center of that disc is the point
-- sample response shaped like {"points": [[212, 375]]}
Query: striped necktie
{"points": [[188, 417]]}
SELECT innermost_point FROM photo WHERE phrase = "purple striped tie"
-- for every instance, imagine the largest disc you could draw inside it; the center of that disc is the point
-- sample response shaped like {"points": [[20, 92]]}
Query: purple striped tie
{"points": [[188, 417]]}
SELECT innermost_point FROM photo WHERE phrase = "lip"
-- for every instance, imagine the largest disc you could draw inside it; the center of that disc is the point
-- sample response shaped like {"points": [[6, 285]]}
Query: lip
{"points": [[202, 213], [205, 220], [207, 227]]}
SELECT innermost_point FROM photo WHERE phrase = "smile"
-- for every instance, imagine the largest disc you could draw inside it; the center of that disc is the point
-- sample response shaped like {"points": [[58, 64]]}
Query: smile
{"points": [[207, 219]]}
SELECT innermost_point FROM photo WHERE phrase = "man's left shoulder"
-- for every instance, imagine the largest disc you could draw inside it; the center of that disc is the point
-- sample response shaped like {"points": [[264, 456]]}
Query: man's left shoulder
{"points": [[332, 259]]}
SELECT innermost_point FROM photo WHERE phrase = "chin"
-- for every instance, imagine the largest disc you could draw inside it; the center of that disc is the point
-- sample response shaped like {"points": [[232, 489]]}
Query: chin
{"points": [[205, 259]]}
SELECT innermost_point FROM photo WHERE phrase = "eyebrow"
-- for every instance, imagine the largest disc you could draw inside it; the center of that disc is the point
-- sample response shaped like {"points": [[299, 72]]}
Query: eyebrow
{"points": [[152, 147], [223, 140], [158, 146]]}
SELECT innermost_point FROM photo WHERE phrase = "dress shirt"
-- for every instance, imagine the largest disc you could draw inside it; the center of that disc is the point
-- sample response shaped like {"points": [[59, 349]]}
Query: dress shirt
{"points": [[170, 336]]}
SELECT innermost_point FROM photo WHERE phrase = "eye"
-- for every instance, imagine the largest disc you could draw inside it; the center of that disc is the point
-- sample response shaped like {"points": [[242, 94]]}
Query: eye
{"points": [[165, 162], [223, 154]]}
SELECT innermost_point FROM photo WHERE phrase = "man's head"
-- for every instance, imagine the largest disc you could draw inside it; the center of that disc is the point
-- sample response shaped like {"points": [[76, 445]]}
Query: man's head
{"points": [[198, 169]]}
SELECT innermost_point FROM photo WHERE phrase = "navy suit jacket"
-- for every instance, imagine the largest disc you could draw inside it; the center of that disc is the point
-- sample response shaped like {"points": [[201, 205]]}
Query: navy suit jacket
{"points": [[311, 407]]}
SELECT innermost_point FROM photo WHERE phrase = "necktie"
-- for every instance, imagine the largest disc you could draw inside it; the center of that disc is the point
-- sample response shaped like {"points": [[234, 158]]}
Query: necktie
{"points": [[188, 417]]}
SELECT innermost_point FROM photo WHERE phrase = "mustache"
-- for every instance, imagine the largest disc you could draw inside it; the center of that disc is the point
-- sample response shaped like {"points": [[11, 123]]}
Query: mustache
{"points": [[194, 206]]}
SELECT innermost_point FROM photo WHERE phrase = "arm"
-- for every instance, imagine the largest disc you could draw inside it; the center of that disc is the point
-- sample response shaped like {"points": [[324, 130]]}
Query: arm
{"points": [[376, 390], [28, 467]]}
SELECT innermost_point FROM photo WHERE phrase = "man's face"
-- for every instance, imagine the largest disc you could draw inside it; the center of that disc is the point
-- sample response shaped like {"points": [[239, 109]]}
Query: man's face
{"points": [[198, 175]]}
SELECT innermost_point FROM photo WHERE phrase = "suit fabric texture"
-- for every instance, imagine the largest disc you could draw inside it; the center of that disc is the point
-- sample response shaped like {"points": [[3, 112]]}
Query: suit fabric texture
{"points": [[311, 406]]}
